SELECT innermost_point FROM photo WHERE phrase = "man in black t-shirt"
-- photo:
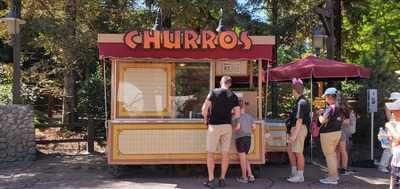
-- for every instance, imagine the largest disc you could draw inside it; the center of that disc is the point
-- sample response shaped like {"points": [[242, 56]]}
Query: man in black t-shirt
{"points": [[217, 111]]}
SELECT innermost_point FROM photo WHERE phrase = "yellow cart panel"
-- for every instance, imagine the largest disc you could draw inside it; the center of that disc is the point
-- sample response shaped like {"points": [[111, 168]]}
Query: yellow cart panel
{"points": [[170, 143]]}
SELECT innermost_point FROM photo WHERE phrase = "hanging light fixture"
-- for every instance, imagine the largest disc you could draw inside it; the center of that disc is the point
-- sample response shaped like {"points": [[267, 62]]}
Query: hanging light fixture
{"points": [[318, 39], [157, 24], [221, 26], [13, 22]]}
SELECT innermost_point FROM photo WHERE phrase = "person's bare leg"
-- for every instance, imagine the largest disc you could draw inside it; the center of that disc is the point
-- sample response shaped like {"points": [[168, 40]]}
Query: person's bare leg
{"points": [[300, 161], [292, 160], [243, 164], [249, 171], [210, 165], [224, 164], [343, 155], [292, 157], [338, 154]]}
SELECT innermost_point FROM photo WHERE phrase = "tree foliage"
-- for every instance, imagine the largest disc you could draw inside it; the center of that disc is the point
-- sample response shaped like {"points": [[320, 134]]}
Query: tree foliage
{"points": [[60, 36]]}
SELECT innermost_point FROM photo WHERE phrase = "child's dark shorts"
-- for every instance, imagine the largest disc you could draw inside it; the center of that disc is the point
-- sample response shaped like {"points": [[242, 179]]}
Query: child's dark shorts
{"points": [[243, 144]]}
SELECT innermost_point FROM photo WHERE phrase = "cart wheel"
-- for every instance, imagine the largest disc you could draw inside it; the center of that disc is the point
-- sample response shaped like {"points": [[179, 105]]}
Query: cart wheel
{"points": [[115, 170]]}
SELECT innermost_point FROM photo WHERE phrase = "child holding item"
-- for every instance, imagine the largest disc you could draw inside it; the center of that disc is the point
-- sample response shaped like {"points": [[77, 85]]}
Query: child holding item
{"points": [[243, 143]]}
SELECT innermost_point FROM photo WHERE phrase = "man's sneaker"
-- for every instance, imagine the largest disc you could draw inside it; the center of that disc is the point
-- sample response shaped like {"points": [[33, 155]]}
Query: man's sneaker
{"points": [[296, 179], [328, 181], [251, 179], [221, 183], [210, 184], [383, 169], [242, 180]]}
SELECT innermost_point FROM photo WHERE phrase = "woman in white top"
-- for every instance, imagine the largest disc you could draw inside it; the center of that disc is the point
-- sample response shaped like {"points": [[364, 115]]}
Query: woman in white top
{"points": [[387, 154], [393, 127]]}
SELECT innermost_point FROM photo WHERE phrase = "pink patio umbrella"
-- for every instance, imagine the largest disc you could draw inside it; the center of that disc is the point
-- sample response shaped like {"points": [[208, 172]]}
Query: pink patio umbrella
{"points": [[315, 68]]}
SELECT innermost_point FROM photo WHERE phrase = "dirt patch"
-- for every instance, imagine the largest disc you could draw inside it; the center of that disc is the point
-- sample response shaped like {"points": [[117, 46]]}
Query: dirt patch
{"points": [[66, 148]]}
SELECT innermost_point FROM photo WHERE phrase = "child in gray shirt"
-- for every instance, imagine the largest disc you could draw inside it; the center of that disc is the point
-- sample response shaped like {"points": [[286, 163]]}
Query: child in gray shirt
{"points": [[243, 143]]}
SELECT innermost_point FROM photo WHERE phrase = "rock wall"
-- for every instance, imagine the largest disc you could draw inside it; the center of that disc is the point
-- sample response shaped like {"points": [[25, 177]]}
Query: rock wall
{"points": [[17, 133]]}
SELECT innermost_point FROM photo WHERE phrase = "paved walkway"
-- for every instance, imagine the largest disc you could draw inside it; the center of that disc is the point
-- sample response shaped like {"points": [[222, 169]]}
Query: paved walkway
{"points": [[79, 172]]}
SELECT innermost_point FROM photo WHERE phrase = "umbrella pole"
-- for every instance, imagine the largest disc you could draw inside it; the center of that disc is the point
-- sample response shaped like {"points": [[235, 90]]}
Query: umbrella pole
{"points": [[311, 114]]}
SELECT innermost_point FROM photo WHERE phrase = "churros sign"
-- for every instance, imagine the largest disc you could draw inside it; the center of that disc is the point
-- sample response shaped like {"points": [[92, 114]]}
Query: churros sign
{"points": [[187, 39]]}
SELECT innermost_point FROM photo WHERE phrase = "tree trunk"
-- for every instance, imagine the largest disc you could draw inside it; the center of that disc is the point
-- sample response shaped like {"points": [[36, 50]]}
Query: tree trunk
{"points": [[69, 98], [274, 86], [16, 39], [16, 85], [331, 17], [69, 92], [337, 25]]}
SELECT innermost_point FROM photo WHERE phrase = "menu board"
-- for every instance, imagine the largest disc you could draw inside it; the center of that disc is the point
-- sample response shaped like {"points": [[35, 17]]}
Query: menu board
{"points": [[232, 68], [143, 90]]}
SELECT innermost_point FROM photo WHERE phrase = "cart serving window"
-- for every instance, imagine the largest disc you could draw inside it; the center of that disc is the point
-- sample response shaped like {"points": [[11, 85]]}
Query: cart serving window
{"points": [[159, 82]]}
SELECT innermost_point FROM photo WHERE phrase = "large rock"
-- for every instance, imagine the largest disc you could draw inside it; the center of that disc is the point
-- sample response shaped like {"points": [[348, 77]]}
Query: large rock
{"points": [[17, 133]]}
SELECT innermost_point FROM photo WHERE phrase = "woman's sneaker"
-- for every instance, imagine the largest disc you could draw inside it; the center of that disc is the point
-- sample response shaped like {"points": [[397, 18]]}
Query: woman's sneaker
{"points": [[328, 181], [251, 179], [210, 184], [296, 179], [242, 180], [221, 183]]}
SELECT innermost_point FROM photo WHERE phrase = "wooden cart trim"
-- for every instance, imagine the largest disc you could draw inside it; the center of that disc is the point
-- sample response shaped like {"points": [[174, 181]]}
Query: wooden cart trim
{"points": [[116, 157]]}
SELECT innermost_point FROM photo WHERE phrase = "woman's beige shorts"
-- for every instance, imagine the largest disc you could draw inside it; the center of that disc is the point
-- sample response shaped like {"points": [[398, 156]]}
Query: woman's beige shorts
{"points": [[298, 145]]}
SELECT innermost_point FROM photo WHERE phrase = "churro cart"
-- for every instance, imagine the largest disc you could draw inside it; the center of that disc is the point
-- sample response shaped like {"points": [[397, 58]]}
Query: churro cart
{"points": [[160, 80]]}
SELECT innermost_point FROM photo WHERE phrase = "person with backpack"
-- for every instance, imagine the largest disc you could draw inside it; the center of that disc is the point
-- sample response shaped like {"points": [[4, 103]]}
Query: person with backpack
{"points": [[299, 120], [331, 120]]}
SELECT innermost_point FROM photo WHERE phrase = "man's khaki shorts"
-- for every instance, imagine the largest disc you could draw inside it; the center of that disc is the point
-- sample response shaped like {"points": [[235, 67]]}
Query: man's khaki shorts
{"points": [[219, 136], [298, 145]]}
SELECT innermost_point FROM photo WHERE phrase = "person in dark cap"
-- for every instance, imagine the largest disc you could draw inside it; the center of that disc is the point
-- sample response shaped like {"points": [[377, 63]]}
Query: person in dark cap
{"points": [[331, 120]]}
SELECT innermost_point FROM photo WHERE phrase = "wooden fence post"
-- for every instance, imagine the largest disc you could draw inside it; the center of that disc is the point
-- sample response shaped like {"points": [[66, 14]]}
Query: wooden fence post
{"points": [[90, 135]]}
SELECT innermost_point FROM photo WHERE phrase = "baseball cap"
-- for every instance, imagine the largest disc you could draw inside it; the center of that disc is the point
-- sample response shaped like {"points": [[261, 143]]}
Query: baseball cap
{"points": [[330, 91], [394, 96], [393, 105]]}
